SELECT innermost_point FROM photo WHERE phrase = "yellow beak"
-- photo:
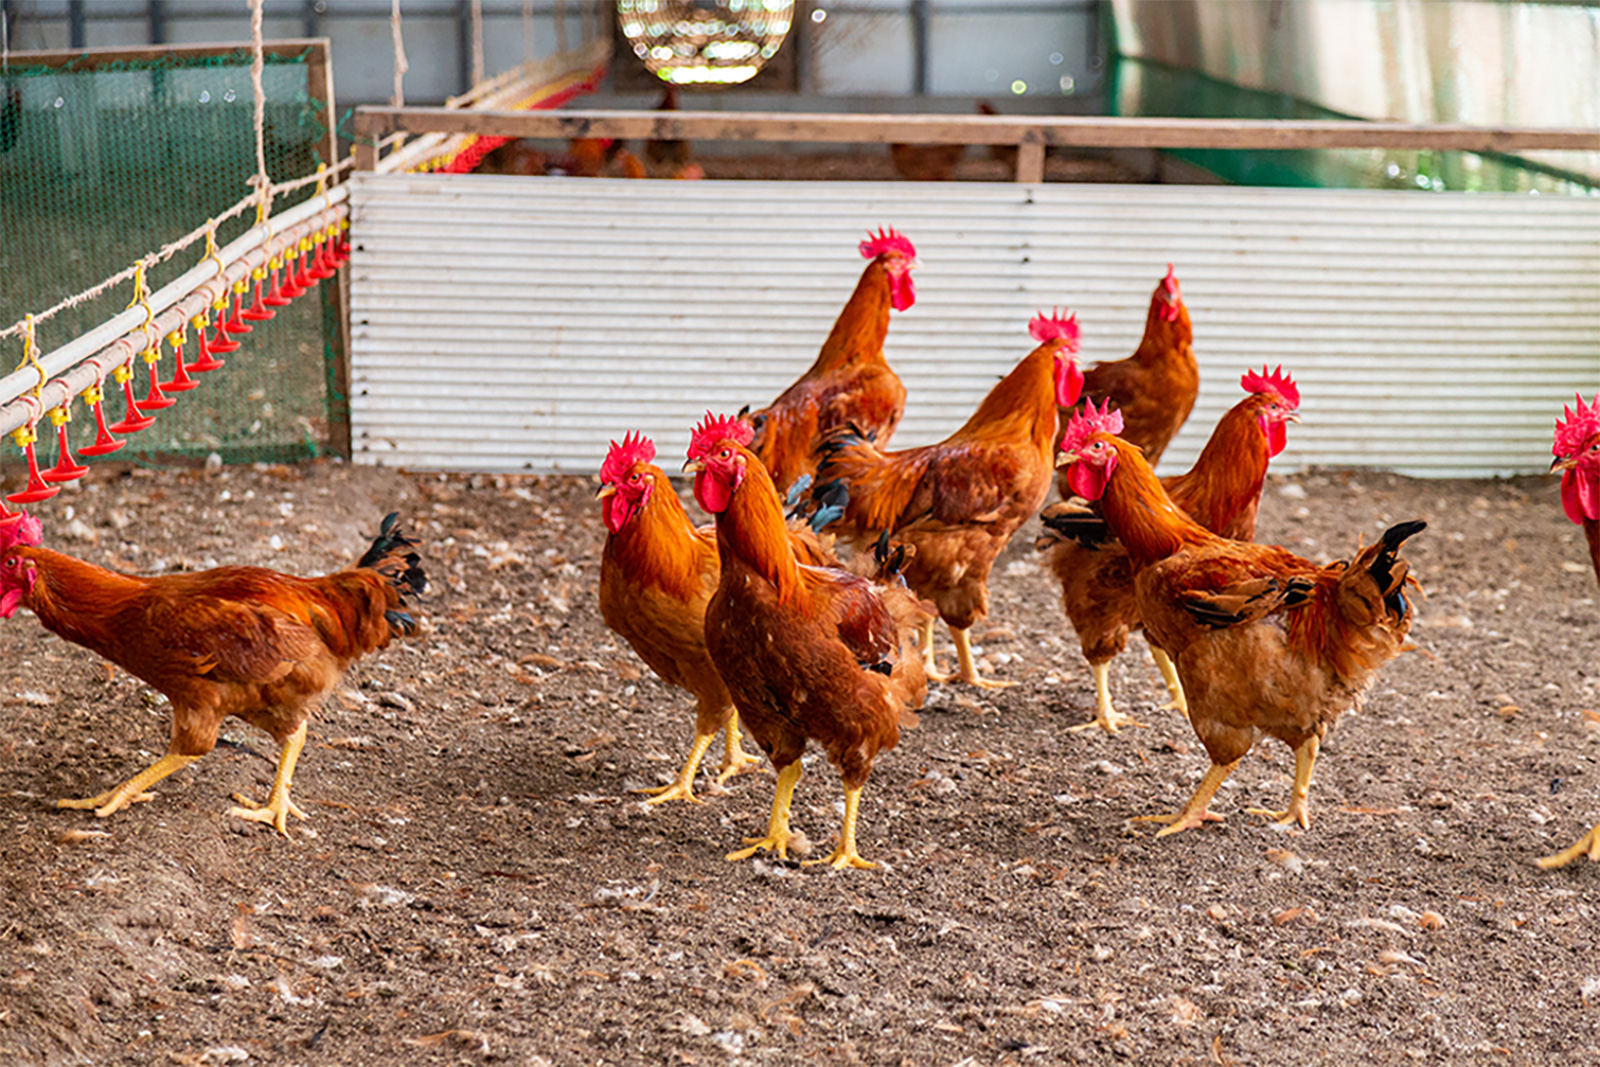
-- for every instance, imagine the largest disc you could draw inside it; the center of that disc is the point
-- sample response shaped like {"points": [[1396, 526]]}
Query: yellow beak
{"points": [[605, 491], [1293, 416], [693, 466], [1066, 459], [1563, 463]]}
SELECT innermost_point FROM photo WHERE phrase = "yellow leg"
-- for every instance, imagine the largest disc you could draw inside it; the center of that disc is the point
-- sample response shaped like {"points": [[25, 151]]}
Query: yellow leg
{"points": [[1197, 812], [682, 787], [930, 665], [778, 833], [276, 811], [1106, 717], [1169, 674], [967, 671], [735, 760], [133, 790], [1305, 758], [1587, 845], [846, 855]]}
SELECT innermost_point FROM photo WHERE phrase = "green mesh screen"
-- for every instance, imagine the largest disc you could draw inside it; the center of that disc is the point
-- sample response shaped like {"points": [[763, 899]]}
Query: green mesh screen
{"points": [[103, 163]]}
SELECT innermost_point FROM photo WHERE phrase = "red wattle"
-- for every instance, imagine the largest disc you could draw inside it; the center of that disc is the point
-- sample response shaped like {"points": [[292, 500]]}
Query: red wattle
{"points": [[10, 601], [1580, 496], [1069, 382], [1088, 482], [616, 513], [902, 291], [713, 493], [1277, 435]]}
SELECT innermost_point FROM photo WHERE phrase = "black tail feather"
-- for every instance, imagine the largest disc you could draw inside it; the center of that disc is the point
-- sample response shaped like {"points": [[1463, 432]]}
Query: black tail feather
{"points": [[1382, 569], [408, 578]]}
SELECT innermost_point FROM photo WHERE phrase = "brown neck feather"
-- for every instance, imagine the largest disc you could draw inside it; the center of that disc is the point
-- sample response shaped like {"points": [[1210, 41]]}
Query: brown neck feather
{"points": [[752, 529], [1141, 514], [1228, 474], [78, 601], [1025, 399], [1160, 336], [661, 544], [859, 332]]}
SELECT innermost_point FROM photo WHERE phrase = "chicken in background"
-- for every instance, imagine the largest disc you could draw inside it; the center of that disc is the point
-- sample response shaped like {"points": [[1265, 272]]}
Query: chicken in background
{"points": [[1155, 388], [1264, 642], [926, 162], [1221, 492], [670, 158], [242, 641], [850, 384], [657, 573], [1577, 457], [957, 502], [809, 653]]}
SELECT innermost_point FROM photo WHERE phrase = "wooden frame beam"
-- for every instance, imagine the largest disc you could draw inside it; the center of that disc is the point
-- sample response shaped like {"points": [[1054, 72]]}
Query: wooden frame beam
{"points": [[1055, 131]]}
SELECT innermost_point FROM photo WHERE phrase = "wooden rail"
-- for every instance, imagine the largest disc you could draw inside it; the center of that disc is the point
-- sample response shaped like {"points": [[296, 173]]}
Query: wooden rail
{"points": [[1031, 135]]}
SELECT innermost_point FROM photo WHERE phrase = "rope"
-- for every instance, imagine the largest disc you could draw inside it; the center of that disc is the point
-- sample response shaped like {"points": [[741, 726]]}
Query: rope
{"points": [[169, 250], [400, 64], [260, 180], [477, 41]]}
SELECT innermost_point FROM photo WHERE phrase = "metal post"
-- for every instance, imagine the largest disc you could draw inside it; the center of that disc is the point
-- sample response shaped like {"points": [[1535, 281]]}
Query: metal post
{"points": [[310, 20], [158, 21], [77, 32], [919, 47]]}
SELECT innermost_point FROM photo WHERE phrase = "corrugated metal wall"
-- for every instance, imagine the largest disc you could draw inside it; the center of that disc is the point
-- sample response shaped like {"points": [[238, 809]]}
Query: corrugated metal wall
{"points": [[507, 324]]}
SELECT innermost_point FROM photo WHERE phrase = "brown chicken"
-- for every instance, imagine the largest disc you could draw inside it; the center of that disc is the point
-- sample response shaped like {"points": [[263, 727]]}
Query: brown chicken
{"points": [[1221, 492], [812, 653], [850, 383], [926, 162], [243, 641], [958, 502], [1265, 642], [657, 574], [1577, 452], [1155, 388], [668, 158]]}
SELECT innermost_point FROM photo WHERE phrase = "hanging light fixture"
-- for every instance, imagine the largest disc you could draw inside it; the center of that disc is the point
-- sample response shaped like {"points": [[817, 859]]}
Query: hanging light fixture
{"points": [[705, 42]]}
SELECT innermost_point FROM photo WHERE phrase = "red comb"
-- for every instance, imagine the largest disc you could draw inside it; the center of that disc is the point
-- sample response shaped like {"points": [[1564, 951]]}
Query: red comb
{"points": [[1170, 282], [890, 241], [635, 448], [1054, 326], [714, 428], [1574, 431], [1274, 382], [26, 530], [1088, 422]]}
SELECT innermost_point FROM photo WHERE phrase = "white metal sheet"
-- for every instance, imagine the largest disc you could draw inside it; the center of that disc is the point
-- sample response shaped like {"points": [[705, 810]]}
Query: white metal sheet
{"points": [[517, 324]]}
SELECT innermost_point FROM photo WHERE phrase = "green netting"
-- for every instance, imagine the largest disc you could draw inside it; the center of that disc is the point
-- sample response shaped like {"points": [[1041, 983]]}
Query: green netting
{"points": [[102, 164]]}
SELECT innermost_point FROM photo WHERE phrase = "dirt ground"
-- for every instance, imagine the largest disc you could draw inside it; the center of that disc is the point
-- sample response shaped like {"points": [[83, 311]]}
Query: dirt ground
{"points": [[477, 884]]}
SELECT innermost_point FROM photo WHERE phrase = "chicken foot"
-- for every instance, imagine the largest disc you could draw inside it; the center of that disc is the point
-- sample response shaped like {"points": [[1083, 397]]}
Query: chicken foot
{"points": [[1169, 674], [1305, 758], [966, 668], [1587, 845], [133, 790], [778, 833], [1106, 717], [276, 811], [682, 787], [845, 855], [1197, 812], [735, 760]]}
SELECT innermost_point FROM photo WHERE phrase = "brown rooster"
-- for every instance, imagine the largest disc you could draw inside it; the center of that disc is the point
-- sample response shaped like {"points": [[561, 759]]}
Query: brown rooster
{"points": [[1155, 388], [958, 502], [657, 574], [1221, 492], [1577, 452], [850, 383], [1265, 642], [812, 653], [243, 641]]}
